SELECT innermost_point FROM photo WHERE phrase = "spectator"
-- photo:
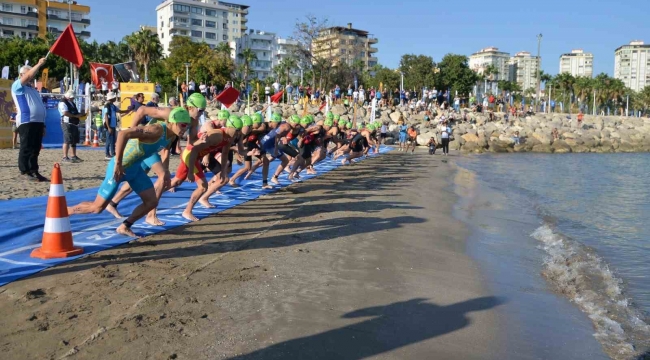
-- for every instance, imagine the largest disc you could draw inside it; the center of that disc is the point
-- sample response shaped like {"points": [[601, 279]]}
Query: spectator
{"points": [[412, 139], [136, 102], [289, 93], [432, 146], [552, 106], [184, 91], [204, 90], [383, 131], [362, 96], [350, 93], [109, 114], [155, 99], [158, 88], [115, 87], [30, 120], [337, 93], [276, 87], [581, 117], [191, 88], [104, 87], [457, 103], [92, 90], [99, 127], [173, 102], [14, 128], [69, 126], [516, 138], [445, 131]]}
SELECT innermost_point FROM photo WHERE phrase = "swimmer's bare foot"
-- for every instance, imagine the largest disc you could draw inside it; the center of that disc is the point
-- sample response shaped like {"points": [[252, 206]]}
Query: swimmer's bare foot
{"points": [[233, 184], [311, 171], [153, 220], [267, 186], [343, 161], [275, 180], [189, 216], [123, 230], [206, 204], [113, 211], [248, 175], [172, 189]]}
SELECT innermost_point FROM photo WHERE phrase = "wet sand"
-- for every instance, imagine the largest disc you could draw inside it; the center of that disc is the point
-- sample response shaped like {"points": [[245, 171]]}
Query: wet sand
{"points": [[363, 262]]}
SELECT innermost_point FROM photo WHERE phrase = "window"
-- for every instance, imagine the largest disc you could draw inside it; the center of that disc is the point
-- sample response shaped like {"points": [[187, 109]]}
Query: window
{"points": [[210, 35], [197, 33], [363, 53], [23, 22], [225, 26], [225, 37], [181, 8], [182, 20], [8, 21], [209, 12], [264, 54], [7, 7], [23, 34], [162, 24], [225, 14], [8, 32], [197, 10], [23, 9], [162, 35], [235, 22], [197, 22], [211, 24]]}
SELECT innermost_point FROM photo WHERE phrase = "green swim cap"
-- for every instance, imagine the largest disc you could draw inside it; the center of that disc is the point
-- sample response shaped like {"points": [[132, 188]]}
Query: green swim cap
{"points": [[247, 120], [311, 117], [257, 118], [234, 122], [179, 115], [197, 100], [329, 122], [330, 115], [294, 119], [223, 115], [276, 118], [370, 127], [305, 121], [337, 117]]}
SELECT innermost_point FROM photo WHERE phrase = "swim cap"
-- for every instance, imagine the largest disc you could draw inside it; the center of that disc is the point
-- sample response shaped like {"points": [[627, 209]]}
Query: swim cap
{"points": [[370, 127], [329, 122], [223, 115], [247, 120], [234, 122], [311, 117], [294, 119], [337, 117], [257, 118], [276, 118], [197, 100], [330, 115], [305, 121], [179, 115]]}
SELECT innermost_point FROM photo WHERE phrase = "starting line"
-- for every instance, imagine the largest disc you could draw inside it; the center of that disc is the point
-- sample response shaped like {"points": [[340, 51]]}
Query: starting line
{"points": [[94, 233]]}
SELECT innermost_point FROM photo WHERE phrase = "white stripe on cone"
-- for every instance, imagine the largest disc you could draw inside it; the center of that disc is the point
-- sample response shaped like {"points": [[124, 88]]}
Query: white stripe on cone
{"points": [[57, 190], [57, 225]]}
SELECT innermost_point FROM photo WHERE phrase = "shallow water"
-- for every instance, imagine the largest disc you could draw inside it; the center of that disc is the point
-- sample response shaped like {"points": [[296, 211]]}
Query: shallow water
{"points": [[575, 224]]}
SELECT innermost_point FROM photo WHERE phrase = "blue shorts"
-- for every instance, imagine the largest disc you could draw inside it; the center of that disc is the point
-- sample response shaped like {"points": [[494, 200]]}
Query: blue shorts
{"points": [[268, 146], [147, 163], [134, 175], [402, 137]]}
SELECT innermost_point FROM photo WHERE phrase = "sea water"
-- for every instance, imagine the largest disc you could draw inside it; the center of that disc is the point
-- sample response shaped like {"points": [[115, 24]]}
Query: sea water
{"points": [[564, 234]]}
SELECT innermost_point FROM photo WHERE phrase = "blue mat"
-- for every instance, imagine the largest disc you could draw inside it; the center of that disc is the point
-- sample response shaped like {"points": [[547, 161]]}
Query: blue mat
{"points": [[97, 232]]}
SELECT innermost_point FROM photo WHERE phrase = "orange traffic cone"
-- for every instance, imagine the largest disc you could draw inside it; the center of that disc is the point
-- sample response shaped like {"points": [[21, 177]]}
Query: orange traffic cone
{"points": [[95, 140], [57, 236], [87, 142]]}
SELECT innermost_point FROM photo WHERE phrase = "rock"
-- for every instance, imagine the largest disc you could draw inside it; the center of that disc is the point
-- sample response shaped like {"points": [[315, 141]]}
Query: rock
{"points": [[454, 145], [339, 110], [542, 148], [580, 149], [561, 147], [471, 147], [394, 117], [470, 138], [543, 138], [389, 140]]}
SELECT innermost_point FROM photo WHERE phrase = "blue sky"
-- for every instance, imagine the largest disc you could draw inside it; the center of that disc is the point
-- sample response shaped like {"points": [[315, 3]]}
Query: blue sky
{"points": [[424, 27]]}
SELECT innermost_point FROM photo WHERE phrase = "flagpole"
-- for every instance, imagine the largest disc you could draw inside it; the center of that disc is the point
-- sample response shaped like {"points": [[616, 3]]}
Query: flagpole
{"points": [[48, 54]]}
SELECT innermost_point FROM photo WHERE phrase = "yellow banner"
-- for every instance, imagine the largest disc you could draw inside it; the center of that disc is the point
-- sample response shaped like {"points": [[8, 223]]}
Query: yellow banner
{"points": [[6, 108], [45, 76], [381, 86], [129, 90]]}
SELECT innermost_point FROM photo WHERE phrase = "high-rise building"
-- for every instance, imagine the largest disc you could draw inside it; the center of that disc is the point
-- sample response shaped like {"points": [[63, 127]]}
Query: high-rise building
{"points": [[35, 18], [632, 65], [345, 44], [211, 21], [269, 50], [524, 69], [480, 60], [577, 63]]}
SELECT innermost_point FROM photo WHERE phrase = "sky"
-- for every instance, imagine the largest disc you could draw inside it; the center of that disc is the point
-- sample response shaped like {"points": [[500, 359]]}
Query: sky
{"points": [[424, 27]]}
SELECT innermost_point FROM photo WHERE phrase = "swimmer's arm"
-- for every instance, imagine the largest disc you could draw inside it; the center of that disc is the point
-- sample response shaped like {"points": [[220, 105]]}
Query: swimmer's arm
{"points": [[164, 157], [156, 113], [240, 147], [149, 133]]}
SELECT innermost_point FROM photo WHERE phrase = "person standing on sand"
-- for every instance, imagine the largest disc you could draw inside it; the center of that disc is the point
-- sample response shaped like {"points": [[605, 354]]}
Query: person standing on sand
{"points": [[30, 121], [445, 131], [69, 126], [133, 146], [412, 139], [14, 128], [402, 133]]}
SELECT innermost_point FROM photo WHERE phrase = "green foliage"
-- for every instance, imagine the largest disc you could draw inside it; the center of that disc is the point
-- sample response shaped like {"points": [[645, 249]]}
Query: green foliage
{"points": [[145, 47], [455, 74], [418, 71], [206, 64]]}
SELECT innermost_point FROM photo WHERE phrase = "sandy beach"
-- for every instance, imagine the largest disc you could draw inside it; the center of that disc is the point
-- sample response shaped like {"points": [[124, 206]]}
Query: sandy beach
{"points": [[363, 262]]}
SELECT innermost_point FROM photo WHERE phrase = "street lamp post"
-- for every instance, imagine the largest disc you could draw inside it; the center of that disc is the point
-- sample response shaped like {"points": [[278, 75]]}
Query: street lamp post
{"points": [[187, 74], [539, 75], [401, 88]]}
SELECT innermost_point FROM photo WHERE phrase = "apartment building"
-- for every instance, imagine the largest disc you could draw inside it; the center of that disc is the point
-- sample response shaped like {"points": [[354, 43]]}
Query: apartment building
{"points": [[577, 63], [345, 45], [632, 65], [480, 60], [269, 49], [35, 18], [210, 21], [524, 69]]}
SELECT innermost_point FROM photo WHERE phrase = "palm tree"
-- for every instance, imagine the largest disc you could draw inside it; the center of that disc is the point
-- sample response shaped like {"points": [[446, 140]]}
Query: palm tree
{"points": [[247, 56], [290, 64], [223, 49], [146, 48]]}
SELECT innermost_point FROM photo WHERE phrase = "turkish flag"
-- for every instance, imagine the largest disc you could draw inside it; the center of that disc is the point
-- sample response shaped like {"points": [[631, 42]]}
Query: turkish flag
{"points": [[99, 71], [276, 98], [228, 96], [67, 47]]}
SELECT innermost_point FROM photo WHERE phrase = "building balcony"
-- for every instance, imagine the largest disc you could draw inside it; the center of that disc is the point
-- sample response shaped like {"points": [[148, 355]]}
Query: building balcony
{"points": [[65, 19], [244, 27], [27, 14], [19, 27], [56, 31], [372, 58], [245, 11], [372, 40], [372, 50], [176, 25], [244, 20]]}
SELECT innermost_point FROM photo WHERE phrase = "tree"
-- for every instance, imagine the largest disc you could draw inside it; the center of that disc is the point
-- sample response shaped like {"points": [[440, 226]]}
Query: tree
{"points": [[223, 49], [247, 56], [306, 33], [145, 47], [206, 63], [418, 71], [455, 74]]}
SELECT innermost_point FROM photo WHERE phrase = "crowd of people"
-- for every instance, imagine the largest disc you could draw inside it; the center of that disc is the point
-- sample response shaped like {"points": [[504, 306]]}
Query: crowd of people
{"points": [[298, 142]]}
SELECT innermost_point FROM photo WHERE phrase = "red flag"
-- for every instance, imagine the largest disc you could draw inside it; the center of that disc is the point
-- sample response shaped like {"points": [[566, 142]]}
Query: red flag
{"points": [[276, 98], [322, 105], [67, 47], [99, 71], [228, 96]]}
